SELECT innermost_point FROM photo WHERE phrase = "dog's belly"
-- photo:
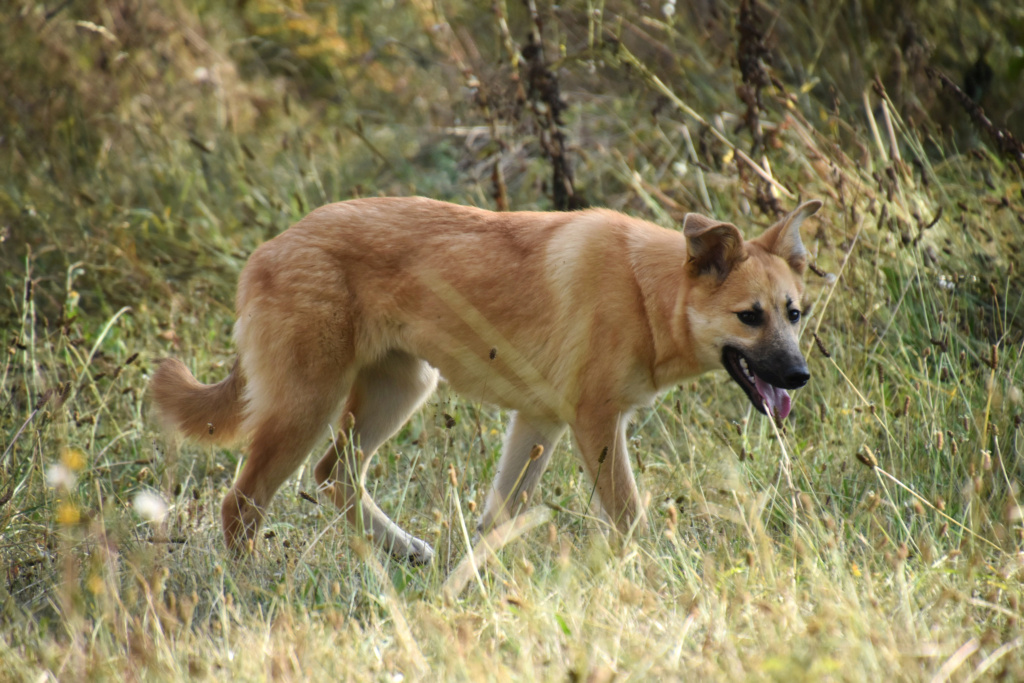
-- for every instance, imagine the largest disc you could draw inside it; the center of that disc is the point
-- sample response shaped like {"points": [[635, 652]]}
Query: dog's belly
{"points": [[511, 379]]}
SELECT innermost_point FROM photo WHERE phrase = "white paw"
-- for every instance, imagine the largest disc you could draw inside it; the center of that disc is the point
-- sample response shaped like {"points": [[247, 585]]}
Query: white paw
{"points": [[416, 553]]}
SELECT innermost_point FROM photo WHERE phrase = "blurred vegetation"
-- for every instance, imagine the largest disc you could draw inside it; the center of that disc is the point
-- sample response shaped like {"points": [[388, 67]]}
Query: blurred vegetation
{"points": [[148, 147], [115, 111]]}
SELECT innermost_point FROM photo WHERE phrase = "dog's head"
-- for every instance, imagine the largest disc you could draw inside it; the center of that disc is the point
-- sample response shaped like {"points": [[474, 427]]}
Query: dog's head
{"points": [[744, 304]]}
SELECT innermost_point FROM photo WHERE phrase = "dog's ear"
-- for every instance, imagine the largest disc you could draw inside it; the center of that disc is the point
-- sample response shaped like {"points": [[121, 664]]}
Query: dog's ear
{"points": [[712, 247], [783, 238]]}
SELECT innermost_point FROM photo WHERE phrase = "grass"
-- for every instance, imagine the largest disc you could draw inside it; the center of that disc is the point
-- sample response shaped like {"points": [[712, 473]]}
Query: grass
{"points": [[148, 150]]}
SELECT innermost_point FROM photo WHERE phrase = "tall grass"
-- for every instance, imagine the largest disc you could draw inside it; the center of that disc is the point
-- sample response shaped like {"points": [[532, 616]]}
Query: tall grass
{"points": [[149, 148]]}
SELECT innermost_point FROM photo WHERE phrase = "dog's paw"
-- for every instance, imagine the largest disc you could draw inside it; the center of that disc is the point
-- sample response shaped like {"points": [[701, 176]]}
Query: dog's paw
{"points": [[404, 547], [420, 553]]}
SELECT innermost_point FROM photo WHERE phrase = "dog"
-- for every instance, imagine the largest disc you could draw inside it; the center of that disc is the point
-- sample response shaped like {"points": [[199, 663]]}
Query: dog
{"points": [[571, 320]]}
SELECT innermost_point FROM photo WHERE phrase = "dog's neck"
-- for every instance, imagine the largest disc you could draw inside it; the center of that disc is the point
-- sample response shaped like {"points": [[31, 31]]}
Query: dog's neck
{"points": [[658, 266]]}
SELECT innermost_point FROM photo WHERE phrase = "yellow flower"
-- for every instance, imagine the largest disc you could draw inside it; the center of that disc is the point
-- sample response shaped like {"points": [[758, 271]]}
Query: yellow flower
{"points": [[95, 585], [67, 514], [73, 459]]}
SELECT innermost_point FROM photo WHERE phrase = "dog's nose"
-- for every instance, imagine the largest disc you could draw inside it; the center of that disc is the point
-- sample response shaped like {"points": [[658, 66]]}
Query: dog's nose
{"points": [[797, 377]]}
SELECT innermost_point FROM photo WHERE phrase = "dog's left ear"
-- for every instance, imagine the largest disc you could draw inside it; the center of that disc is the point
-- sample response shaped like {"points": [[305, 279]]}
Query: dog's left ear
{"points": [[783, 238]]}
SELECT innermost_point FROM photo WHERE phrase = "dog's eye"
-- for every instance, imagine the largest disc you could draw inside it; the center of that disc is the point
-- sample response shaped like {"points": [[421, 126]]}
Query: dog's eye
{"points": [[752, 318], [794, 315]]}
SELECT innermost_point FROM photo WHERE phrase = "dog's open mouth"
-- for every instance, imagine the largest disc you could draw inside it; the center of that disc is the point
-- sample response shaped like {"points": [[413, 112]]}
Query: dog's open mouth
{"points": [[767, 398]]}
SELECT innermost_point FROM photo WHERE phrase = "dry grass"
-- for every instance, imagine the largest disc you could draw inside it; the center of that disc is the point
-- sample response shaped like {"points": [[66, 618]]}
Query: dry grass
{"points": [[146, 152]]}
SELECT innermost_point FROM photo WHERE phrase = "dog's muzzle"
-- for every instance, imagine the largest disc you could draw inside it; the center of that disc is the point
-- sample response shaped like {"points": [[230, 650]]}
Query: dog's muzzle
{"points": [[766, 384]]}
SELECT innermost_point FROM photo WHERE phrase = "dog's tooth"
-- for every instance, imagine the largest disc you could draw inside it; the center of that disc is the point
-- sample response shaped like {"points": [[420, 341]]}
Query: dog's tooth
{"points": [[746, 369]]}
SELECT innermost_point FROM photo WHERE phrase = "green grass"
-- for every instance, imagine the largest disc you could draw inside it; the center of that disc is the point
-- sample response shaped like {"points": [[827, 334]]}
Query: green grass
{"points": [[134, 185]]}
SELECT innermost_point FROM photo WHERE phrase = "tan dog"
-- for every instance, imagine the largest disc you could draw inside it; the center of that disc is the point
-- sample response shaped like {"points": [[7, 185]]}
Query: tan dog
{"points": [[569, 319]]}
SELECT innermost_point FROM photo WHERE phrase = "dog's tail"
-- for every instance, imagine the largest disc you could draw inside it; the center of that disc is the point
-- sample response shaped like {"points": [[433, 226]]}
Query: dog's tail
{"points": [[209, 413]]}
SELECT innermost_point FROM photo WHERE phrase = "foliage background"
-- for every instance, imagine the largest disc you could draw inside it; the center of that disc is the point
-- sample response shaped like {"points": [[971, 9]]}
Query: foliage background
{"points": [[148, 147]]}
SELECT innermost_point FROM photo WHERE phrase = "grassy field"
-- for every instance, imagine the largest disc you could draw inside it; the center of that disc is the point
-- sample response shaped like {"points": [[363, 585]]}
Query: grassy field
{"points": [[148, 148]]}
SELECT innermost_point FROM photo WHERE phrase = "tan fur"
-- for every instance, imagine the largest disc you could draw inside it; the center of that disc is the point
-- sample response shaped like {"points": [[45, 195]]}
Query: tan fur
{"points": [[572, 320], [208, 414]]}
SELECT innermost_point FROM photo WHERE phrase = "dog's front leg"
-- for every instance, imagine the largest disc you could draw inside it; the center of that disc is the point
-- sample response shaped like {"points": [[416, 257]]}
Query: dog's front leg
{"points": [[528, 447], [601, 439]]}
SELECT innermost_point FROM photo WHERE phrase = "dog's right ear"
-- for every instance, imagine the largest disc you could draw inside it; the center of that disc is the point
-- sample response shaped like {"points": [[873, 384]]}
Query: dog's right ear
{"points": [[712, 247]]}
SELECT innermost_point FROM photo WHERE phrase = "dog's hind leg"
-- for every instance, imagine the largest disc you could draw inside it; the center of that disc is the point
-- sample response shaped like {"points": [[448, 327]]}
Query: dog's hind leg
{"points": [[283, 431], [383, 397], [528, 447]]}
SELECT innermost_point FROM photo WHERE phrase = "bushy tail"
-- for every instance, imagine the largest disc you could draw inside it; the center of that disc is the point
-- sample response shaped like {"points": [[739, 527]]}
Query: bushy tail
{"points": [[209, 413]]}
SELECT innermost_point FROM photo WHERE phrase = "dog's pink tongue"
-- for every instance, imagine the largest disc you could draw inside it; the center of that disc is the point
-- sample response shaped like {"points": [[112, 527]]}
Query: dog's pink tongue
{"points": [[776, 399]]}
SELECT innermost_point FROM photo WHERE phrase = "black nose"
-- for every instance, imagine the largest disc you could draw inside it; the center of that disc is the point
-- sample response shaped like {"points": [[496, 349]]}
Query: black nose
{"points": [[797, 377]]}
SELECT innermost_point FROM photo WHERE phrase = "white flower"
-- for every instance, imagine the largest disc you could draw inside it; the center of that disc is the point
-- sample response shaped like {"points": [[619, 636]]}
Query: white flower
{"points": [[60, 476], [150, 506]]}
